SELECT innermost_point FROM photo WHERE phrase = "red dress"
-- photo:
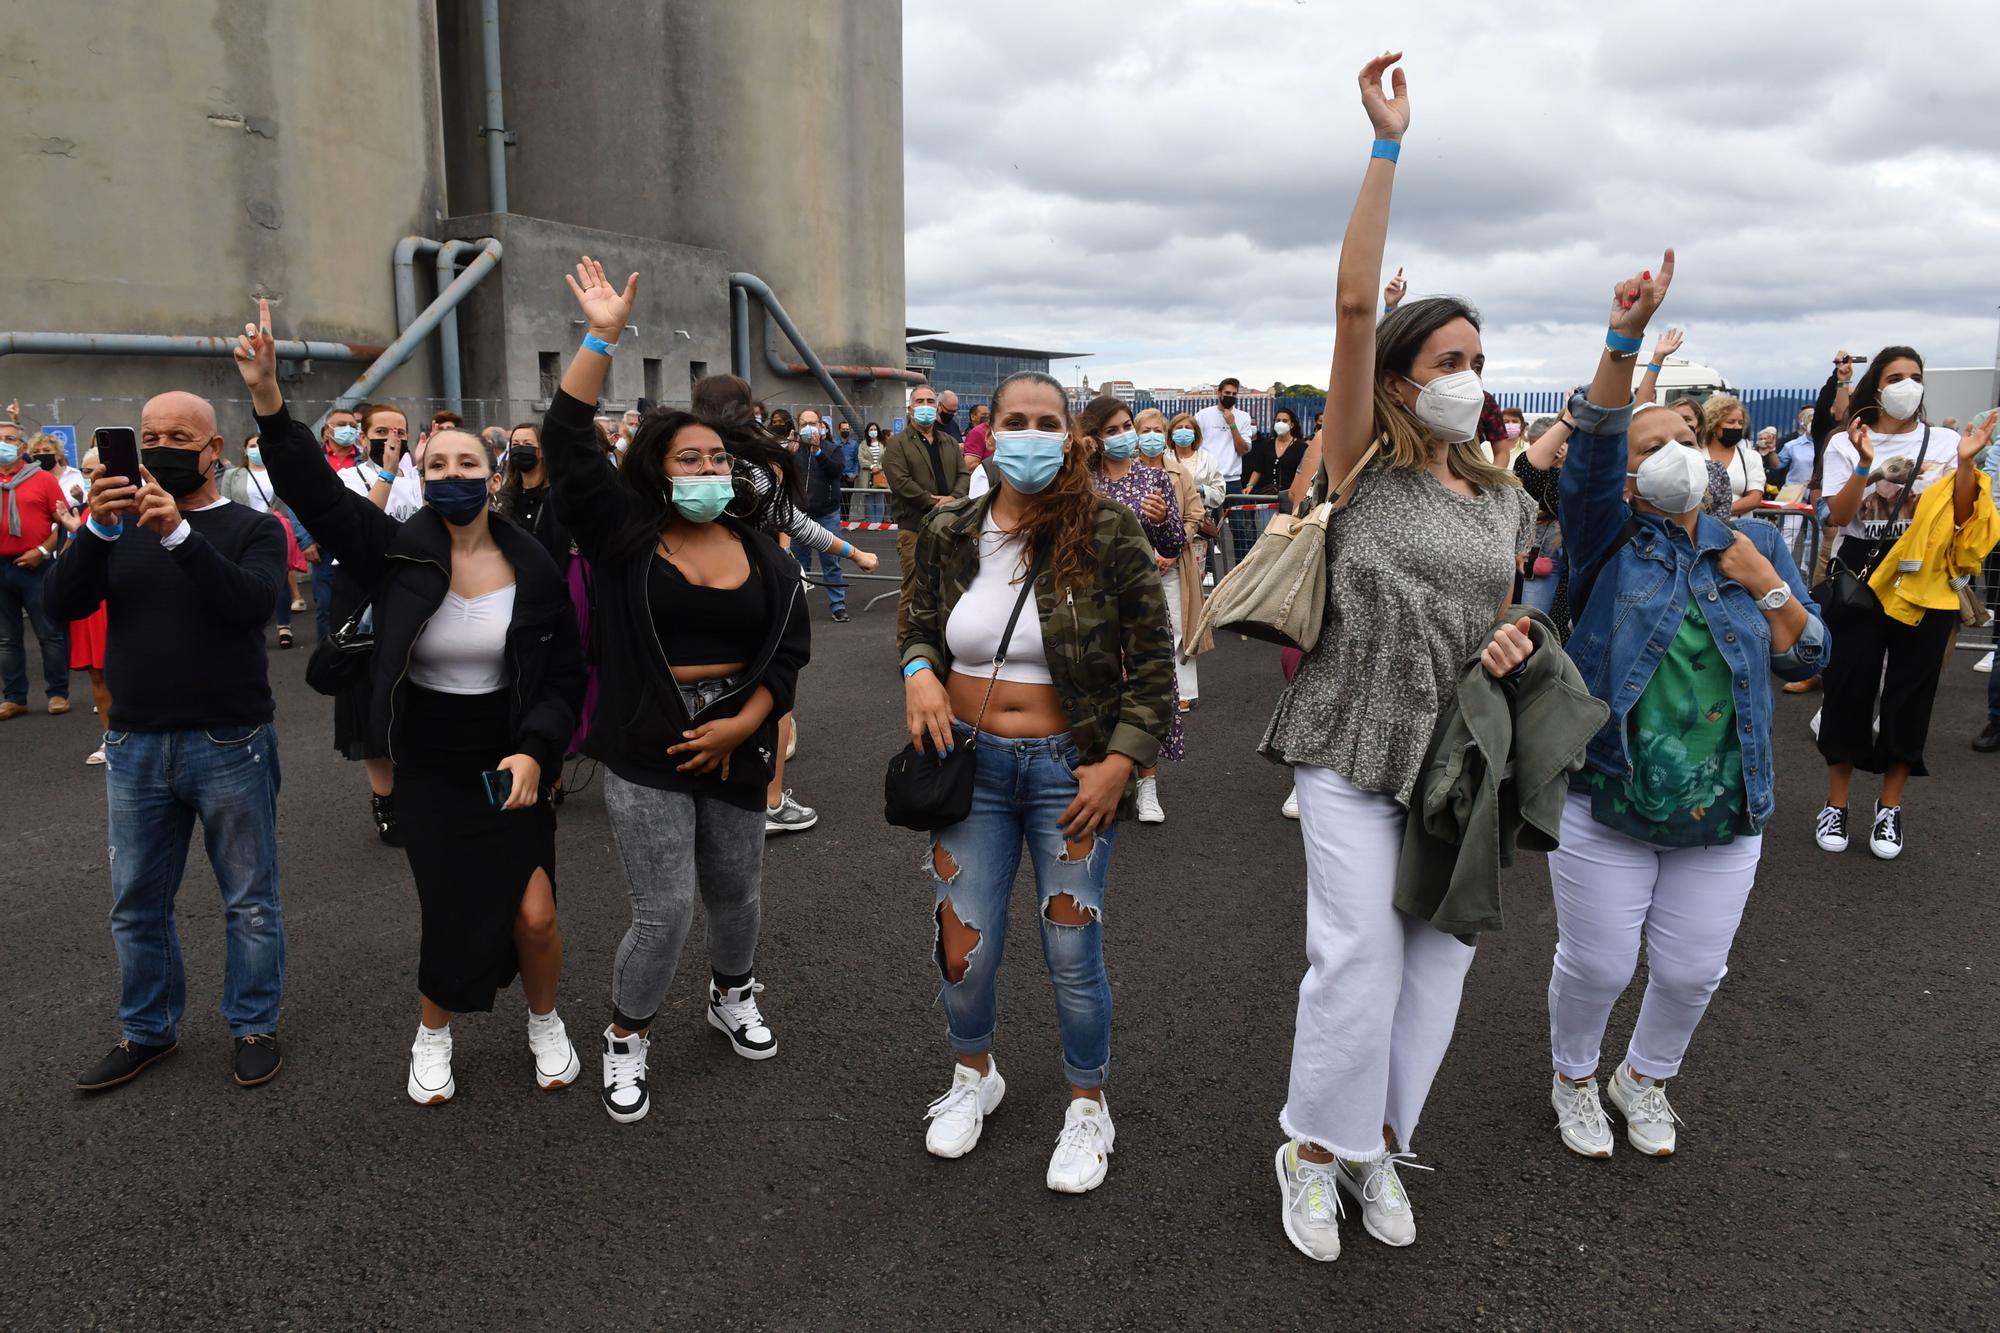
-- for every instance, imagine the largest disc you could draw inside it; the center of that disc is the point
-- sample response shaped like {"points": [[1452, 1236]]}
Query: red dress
{"points": [[86, 641]]}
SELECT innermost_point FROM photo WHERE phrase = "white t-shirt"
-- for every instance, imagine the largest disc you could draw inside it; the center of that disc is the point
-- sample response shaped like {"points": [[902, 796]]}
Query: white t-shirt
{"points": [[1746, 471], [1215, 441], [1886, 477], [257, 490]]}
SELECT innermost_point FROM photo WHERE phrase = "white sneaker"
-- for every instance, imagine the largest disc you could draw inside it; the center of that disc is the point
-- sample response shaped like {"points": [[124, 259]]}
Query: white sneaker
{"points": [[958, 1116], [430, 1066], [1649, 1120], [1312, 1204], [1149, 802], [95, 757], [788, 816], [734, 1013], [1830, 829], [1885, 835], [1385, 1208], [625, 1097], [1290, 809], [1083, 1149], [556, 1064], [1984, 664], [1580, 1117]]}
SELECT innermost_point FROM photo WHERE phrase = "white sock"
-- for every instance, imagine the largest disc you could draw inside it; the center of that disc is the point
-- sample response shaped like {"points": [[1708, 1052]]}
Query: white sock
{"points": [[547, 1020], [425, 1030]]}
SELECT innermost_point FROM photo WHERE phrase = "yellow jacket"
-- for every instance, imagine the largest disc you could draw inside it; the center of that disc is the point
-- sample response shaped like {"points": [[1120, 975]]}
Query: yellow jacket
{"points": [[1946, 553]]}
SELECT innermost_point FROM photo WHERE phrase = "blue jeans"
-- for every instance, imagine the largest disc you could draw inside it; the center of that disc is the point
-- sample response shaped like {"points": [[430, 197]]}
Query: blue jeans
{"points": [[157, 783], [829, 563], [21, 590], [1019, 792], [322, 574]]}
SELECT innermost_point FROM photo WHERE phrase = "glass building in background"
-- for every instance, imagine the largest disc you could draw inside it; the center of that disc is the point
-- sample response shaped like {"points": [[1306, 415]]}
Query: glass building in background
{"points": [[971, 370]]}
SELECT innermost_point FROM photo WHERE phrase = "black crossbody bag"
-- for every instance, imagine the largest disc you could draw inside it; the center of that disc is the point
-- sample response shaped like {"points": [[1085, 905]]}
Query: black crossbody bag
{"points": [[1845, 591], [927, 791], [343, 658]]}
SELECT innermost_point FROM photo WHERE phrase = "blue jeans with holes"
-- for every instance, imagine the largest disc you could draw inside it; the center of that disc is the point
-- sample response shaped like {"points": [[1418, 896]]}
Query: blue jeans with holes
{"points": [[157, 784], [21, 591], [1020, 791]]}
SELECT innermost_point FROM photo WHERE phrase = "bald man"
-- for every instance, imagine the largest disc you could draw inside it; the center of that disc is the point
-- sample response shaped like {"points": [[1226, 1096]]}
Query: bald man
{"points": [[189, 580]]}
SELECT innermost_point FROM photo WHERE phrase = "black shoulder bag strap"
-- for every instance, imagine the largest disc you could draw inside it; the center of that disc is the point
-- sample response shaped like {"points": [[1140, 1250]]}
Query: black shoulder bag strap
{"points": [[1006, 641]]}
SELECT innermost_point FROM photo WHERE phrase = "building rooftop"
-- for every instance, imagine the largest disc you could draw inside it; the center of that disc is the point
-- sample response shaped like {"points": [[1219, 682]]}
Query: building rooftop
{"points": [[916, 338]]}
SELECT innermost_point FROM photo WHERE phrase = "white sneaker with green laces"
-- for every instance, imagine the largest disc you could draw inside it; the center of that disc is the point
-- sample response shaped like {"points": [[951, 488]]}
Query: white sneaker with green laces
{"points": [[1580, 1117], [1312, 1204], [1385, 1208], [1649, 1120], [1083, 1149]]}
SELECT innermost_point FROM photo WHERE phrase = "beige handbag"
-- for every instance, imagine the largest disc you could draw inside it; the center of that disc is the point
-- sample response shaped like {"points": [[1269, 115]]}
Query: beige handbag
{"points": [[1277, 593]]}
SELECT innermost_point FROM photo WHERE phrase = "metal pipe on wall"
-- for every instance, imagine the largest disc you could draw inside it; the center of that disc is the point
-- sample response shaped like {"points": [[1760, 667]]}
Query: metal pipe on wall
{"points": [[163, 344], [396, 353], [739, 332], [453, 385], [495, 127], [774, 310], [407, 251]]}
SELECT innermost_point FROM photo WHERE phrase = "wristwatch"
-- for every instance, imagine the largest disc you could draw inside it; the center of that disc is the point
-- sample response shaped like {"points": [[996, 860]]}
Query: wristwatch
{"points": [[1775, 598]]}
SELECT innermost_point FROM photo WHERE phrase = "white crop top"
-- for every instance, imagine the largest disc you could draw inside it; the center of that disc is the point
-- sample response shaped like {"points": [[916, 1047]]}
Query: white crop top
{"points": [[463, 648], [973, 632]]}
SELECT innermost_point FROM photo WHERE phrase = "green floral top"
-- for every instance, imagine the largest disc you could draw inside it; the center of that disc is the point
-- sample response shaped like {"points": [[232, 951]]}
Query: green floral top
{"points": [[1687, 782]]}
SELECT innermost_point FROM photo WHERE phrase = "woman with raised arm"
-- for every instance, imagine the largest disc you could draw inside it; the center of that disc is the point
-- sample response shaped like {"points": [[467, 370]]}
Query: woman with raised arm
{"points": [[1038, 635], [1681, 621], [1421, 559], [477, 673], [701, 639]]}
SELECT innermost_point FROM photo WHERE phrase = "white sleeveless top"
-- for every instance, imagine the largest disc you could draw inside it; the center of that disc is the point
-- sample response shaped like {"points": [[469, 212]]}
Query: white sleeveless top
{"points": [[463, 647], [980, 617]]}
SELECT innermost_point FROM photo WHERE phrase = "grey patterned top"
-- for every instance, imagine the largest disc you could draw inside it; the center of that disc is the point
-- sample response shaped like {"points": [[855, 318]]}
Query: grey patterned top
{"points": [[1415, 574]]}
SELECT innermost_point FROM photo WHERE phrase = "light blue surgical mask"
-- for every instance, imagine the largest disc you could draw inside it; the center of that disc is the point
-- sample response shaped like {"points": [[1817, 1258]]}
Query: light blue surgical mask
{"points": [[1122, 444], [1184, 437], [1028, 459], [10, 454], [924, 415], [702, 499], [809, 433], [254, 455], [345, 436], [1152, 443]]}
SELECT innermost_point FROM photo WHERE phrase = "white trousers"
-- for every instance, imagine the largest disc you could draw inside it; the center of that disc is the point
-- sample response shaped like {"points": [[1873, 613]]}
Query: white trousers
{"points": [[1380, 995], [1184, 670], [1611, 891]]}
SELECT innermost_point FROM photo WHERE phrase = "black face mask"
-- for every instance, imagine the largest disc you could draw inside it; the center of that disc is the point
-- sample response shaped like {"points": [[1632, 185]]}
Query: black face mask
{"points": [[50, 462], [1227, 400], [1732, 435], [375, 450], [526, 457], [179, 471]]}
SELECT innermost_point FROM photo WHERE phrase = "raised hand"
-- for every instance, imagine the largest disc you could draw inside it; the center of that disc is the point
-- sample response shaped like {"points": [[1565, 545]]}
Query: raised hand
{"points": [[1388, 113], [605, 308], [1978, 434], [1669, 343], [1634, 300], [1857, 435], [256, 352], [1392, 295]]}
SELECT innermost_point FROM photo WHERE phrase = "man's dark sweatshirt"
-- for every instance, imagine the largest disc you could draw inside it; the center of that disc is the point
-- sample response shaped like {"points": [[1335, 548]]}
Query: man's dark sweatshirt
{"points": [[184, 628]]}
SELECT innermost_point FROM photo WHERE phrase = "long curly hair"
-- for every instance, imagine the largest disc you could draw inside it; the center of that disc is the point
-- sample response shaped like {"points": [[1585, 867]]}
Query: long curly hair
{"points": [[1061, 520]]}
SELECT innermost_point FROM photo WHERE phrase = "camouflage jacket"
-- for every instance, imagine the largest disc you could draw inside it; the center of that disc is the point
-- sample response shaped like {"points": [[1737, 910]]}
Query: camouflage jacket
{"points": [[1110, 646]]}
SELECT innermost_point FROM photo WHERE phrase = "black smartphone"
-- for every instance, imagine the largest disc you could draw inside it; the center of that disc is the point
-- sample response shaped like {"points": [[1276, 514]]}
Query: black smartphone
{"points": [[118, 451], [1855, 361], [499, 786]]}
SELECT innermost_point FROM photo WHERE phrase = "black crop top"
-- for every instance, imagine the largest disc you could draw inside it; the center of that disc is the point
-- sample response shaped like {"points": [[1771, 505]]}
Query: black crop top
{"points": [[704, 626]]}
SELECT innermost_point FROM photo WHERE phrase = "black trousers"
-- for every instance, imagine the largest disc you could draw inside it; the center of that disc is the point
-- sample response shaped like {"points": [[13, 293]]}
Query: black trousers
{"points": [[1872, 650]]}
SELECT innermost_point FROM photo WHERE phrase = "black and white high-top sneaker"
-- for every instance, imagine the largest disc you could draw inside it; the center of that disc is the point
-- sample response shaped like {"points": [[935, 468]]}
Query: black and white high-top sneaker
{"points": [[625, 1098], [1885, 838], [734, 1013], [1830, 829]]}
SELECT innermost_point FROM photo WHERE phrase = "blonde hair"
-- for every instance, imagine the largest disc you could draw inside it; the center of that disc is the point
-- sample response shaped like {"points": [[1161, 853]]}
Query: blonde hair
{"points": [[1407, 444], [1714, 409], [1175, 425], [1156, 414]]}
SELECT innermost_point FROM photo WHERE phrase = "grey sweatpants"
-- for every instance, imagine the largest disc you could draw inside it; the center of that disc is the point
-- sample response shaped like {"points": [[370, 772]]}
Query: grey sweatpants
{"points": [[675, 844]]}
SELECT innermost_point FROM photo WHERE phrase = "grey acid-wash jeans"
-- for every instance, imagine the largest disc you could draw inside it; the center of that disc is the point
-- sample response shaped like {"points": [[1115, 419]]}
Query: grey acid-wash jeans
{"points": [[676, 845]]}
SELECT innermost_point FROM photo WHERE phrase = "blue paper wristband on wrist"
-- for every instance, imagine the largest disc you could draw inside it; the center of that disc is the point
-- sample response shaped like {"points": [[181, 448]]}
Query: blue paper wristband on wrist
{"points": [[1618, 342], [1653, 366], [1389, 150], [599, 346], [914, 667]]}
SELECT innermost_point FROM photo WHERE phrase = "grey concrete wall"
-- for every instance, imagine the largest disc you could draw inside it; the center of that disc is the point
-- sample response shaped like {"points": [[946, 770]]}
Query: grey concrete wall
{"points": [[771, 130], [167, 162], [524, 312]]}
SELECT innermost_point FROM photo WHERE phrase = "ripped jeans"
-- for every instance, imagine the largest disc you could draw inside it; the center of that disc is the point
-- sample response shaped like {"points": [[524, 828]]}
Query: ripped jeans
{"points": [[1020, 791]]}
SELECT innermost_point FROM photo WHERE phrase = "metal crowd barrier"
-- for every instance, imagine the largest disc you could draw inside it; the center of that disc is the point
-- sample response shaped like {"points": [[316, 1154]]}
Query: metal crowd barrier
{"points": [[1801, 528], [1234, 538]]}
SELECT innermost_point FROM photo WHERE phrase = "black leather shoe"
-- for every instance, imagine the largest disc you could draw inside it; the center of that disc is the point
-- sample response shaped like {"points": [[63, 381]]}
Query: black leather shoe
{"points": [[128, 1059], [257, 1059], [840, 617], [1987, 741]]}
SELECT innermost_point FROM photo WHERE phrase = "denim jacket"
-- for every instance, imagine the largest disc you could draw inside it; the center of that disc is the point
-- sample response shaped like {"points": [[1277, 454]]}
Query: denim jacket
{"points": [[1630, 596]]}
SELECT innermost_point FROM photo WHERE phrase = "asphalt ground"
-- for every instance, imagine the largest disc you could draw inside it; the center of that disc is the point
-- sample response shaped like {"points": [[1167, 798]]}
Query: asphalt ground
{"points": [[1837, 1165]]}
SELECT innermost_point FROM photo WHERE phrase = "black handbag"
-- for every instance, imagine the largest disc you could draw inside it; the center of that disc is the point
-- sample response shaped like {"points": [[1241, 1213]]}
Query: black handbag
{"points": [[344, 658], [1845, 591], [927, 791]]}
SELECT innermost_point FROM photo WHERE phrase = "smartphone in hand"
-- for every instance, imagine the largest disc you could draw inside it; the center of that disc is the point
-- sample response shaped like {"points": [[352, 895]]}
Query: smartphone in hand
{"points": [[499, 786], [117, 451]]}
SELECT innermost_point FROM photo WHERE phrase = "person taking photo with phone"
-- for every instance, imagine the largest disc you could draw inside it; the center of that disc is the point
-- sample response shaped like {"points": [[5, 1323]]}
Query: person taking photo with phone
{"points": [[477, 675]]}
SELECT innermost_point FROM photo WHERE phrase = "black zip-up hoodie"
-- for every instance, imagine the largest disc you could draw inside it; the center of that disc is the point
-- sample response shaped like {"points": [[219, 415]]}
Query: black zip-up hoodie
{"points": [[639, 710], [405, 569]]}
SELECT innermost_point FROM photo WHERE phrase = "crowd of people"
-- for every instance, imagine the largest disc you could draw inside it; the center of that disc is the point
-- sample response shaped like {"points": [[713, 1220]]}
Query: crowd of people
{"points": [[1570, 629]]}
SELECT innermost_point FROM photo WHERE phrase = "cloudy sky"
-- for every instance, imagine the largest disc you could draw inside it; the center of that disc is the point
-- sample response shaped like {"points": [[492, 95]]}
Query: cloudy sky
{"points": [[1164, 183]]}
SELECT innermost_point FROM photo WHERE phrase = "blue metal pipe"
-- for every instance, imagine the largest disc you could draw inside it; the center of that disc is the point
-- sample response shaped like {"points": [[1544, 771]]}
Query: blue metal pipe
{"points": [[396, 353], [163, 344]]}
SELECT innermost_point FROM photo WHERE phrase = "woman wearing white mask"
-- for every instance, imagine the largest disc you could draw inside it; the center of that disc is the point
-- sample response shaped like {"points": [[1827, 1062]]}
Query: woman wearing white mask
{"points": [[1422, 556], [1038, 635], [1682, 619], [1872, 478]]}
